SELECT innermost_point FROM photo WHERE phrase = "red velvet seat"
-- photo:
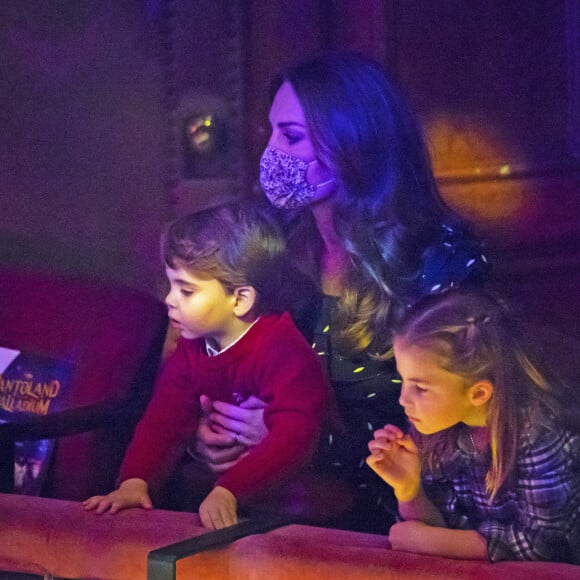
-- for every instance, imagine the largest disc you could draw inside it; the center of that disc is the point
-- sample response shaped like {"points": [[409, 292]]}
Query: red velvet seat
{"points": [[113, 336]]}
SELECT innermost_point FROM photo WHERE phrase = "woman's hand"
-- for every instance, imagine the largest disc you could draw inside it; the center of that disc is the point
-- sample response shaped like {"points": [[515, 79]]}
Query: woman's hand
{"points": [[219, 509], [395, 458], [245, 421], [131, 493], [226, 431]]}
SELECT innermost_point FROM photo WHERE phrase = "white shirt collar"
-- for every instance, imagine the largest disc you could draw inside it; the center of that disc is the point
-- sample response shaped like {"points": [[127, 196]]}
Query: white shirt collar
{"points": [[211, 351]]}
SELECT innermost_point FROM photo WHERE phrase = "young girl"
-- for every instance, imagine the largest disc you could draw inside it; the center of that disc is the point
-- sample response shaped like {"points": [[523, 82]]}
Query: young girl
{"points": [[491, 467]]}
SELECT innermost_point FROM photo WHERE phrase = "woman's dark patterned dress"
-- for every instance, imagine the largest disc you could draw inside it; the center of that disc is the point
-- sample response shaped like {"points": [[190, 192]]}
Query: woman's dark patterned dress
{"points": [[367, 390]]}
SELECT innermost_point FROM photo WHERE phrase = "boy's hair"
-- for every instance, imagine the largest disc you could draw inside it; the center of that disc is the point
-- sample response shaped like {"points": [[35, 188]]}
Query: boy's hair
{"points": [[236, 244], [478, 338]]}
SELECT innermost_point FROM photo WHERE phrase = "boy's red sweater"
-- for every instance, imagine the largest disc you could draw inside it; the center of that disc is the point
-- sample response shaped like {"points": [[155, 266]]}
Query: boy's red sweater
{"points": [[273, 362]]}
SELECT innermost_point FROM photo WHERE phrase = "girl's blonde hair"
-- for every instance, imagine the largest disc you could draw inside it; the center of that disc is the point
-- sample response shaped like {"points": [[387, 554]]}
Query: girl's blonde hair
{"points": [[479, 338]]}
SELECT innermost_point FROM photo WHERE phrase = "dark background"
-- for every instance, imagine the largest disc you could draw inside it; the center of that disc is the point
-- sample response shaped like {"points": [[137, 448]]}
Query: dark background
{"points": [[94, 96]]}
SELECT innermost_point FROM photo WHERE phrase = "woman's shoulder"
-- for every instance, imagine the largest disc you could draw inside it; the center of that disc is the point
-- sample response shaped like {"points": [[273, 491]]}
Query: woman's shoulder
{"points": [[454, 258]]}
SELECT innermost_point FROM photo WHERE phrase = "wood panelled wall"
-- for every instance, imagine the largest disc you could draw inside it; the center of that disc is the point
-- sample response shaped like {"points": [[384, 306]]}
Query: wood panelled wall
{"points": [[496, 87], [95, 96], [81, 158]]}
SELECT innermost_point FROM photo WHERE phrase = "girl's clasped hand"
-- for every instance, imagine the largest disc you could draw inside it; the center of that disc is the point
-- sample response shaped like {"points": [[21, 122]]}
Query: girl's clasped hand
{"points": [[395, 458]]}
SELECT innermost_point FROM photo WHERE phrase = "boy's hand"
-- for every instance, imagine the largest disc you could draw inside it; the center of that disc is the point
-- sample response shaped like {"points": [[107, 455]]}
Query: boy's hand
{"points": [[395, 458], [131, 493], [218, 509]]}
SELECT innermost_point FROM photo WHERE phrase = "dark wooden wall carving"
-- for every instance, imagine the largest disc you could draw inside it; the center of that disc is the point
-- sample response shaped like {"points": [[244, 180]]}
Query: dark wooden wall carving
{"points": [[496, 87], [92, 150]]}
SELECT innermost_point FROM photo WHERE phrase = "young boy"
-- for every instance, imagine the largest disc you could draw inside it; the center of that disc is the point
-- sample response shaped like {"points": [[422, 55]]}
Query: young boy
{"points": [[226, 268]]}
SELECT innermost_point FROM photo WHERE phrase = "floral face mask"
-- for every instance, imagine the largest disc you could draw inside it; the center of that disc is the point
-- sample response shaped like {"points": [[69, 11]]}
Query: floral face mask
{"points": [[283, 179]]}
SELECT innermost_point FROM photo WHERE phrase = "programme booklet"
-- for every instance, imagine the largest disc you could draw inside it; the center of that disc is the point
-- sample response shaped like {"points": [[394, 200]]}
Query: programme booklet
{"points": [[31, 384]]}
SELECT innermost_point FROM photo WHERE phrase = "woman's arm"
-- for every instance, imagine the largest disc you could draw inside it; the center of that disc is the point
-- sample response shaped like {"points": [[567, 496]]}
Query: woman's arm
{"points": [[226, 431]]}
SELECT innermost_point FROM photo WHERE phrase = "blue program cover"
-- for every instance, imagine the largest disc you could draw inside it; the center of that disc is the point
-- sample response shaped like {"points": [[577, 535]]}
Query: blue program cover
{"points": [[31, 384]]}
